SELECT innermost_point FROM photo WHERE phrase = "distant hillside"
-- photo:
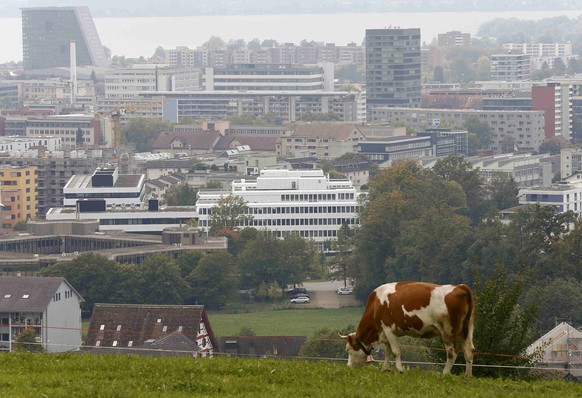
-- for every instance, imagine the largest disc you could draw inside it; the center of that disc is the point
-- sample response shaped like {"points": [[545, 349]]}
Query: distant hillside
{"points": [[149, 8]]}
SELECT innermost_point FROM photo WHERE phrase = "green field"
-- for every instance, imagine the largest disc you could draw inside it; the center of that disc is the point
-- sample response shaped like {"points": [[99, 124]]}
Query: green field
{"points": [[85, 375], [297, 322]]}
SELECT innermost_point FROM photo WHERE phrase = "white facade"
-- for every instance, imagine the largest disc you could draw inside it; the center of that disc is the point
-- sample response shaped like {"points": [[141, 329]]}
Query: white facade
{"points": [[287, 201], [16, 145], [541, 49], [129, 219], [128, 83], [564, 196], [510, 66], [121, 190], [49, 306]]}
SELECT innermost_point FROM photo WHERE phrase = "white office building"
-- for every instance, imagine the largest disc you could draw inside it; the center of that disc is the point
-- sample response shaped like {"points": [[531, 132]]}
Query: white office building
{"points": [[118, 190], [287, 201], [564, 196]]}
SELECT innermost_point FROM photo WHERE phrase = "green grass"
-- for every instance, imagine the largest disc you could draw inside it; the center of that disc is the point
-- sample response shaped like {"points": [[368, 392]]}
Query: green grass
{"points": [[299, 322], [72, 375]]}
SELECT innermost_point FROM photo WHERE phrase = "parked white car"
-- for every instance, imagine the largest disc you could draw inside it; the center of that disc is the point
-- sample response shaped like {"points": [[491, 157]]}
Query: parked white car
{"points": [[344, 290], [300, 300]]}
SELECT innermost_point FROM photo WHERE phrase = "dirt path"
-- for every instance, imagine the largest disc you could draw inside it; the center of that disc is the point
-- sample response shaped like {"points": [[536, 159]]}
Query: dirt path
{"points": [[324, 295]]}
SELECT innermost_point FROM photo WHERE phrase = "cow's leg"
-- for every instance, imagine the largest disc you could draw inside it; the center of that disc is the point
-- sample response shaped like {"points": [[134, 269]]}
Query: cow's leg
{"points": [[395, 348], [451, 354], [468, 353]]}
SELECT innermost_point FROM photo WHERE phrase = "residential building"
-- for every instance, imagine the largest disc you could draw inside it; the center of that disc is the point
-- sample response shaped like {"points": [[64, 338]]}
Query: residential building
{"points": [[49, 306], [54, 171], [322, 140], [132, 82], [285, 105], [17, 194], [543, 53], [521, 129], [510, 66], [454, 39], [290, 201], [357, 172], [392, 69], [158, 330], [48, 31], [570, 162], [74, 130], [555, 99]]}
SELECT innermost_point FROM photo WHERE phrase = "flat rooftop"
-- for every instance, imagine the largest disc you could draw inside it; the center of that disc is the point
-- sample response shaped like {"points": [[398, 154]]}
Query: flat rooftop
{"points": [[83, 181]]}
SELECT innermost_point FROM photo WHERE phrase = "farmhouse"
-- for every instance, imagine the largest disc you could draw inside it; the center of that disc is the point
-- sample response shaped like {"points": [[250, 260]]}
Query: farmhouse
{"points": [[153, 330], [49, 306]]}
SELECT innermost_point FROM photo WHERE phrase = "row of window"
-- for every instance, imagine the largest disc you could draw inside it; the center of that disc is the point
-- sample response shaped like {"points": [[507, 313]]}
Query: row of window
{"points": [[292, 210], [270, 222], [316, 197]]}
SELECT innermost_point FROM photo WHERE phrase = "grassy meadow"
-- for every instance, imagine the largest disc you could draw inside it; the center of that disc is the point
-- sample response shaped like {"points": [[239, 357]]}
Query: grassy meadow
{"points": [[85, 375], [291, 322]]}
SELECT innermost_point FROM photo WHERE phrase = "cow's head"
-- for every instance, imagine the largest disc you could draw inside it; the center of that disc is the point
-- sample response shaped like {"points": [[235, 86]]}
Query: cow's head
{"points": [[357, 351]]}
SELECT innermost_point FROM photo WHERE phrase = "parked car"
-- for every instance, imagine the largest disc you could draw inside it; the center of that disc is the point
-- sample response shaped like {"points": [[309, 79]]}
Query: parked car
{"points": [[301, 295], [344, 290], [296, 290], [300, 300]]}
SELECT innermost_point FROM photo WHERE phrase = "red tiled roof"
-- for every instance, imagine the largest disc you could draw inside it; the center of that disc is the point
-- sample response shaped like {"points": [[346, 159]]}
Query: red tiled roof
{"points": [[138, 323], [256, 143], [196, 141]]}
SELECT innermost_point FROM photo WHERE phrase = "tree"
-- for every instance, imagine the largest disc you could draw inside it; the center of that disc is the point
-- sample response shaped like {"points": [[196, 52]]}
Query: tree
{"points": [[213, 279], [554, 145], [502, 326], [535, 230], [503, 191], [214, 43], [162, 281], [143, 132], [181, 194], [480, 129], [95, 277], [558, 299], [259, 261], [341, 264], [188, 260], [460, 170], [439, 74], [26, 341], [483, 68], [230, 212], [325, 343]]}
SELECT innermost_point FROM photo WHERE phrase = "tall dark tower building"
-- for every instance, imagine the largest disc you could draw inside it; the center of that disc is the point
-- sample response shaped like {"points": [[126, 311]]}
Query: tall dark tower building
{"points": [[392, 69], [48, 31]]}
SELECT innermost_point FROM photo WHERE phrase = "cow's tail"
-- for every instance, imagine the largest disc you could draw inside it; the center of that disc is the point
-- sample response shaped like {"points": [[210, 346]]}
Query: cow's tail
{"points": [[468, 322]]}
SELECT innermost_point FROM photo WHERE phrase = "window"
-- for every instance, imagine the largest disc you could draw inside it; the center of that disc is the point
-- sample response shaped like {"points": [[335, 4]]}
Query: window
{"points": [[102, 327], [130, 343], [118, 328], [180, 328], [25, 296], [7, 296], [115, 343], [165, 329], [97, 343]]}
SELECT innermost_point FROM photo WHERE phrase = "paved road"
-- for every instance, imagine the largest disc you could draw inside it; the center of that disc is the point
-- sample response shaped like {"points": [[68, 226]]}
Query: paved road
{"points": [[324, 295]]}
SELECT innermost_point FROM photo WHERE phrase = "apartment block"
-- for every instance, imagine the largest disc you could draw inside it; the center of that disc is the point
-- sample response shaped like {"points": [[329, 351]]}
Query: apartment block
{"points": [[17, 194]]}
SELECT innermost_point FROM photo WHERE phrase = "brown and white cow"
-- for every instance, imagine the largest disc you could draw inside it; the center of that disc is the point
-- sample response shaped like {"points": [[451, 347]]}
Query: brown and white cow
{"points": [[415, 309]]}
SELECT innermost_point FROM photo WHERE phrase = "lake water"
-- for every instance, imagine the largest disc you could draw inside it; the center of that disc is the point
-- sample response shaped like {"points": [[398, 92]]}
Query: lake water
{"points": [[134, 37]]}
